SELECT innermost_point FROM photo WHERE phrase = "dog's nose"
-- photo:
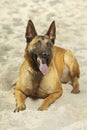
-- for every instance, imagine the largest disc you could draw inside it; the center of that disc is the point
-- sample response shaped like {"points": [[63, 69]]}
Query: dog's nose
{"points": [[45, 54]]}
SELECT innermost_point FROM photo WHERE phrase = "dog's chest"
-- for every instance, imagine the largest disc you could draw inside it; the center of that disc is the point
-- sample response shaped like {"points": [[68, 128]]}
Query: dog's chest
{"points": [[32, 82], [41, 84], [36, 79]]}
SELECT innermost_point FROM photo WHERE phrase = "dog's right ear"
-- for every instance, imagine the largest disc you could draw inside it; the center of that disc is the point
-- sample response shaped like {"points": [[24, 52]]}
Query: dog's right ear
{"points": [[52, 32], [30, 31]]}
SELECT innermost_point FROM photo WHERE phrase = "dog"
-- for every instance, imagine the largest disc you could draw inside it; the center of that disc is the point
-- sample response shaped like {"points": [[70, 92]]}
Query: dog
{"points": [[44, 69]]}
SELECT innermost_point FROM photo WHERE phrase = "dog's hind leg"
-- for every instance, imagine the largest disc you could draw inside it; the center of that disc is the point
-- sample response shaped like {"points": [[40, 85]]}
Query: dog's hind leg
{"points": [[20, 100], [51, 99], [74, 78], [74, 72], [75, 85]]}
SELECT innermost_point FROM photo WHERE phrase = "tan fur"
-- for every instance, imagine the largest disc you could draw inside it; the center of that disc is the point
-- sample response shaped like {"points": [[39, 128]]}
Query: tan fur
{"points": [[49, 87]]}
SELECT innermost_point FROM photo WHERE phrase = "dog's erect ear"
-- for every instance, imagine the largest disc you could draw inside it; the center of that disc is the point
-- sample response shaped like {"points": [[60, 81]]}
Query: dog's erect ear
{"points": [[52, 32], [30, 31]]}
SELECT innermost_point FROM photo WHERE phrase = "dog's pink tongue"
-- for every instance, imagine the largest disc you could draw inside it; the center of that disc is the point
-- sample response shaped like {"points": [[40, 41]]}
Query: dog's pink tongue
{"points": [[43, 67]]}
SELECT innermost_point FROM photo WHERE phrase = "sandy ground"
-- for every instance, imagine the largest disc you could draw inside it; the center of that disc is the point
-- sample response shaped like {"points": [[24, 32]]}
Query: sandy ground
{"points": [[70, 111]]}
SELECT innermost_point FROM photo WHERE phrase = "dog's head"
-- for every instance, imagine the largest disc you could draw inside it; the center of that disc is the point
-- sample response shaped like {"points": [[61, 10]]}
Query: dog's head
{"points": [[40, 48]]}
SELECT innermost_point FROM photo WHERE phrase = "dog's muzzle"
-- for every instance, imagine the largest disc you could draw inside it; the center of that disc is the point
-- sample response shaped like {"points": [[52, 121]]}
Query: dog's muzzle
{"points": [[45, 54]]}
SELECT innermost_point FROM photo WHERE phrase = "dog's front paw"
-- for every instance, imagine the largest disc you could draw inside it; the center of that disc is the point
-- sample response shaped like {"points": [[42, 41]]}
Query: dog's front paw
{"points": [[20, 108], [42, 108]]}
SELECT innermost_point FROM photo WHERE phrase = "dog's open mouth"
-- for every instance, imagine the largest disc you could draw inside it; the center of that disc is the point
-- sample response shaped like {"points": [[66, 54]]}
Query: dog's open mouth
{"points": [[43, 67]]}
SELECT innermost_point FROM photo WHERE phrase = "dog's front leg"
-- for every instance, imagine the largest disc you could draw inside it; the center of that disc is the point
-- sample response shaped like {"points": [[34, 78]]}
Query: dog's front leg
{"points": [[50, 99], [20, 100]]}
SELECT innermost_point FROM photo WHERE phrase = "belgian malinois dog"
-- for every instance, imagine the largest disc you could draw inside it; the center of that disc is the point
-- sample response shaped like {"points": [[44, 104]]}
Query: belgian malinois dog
{"points": [[44, 69]]}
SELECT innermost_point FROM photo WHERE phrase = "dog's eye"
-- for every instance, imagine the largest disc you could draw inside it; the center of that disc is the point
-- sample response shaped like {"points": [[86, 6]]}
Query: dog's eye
{"points": [[38, 44], [49, 44]]}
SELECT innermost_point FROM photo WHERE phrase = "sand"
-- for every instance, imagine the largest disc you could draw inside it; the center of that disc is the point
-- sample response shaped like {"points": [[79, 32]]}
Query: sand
{"points": [[70, 111]]}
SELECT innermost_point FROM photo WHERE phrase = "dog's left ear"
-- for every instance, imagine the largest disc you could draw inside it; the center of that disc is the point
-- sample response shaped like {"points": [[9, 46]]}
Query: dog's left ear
{"points": [[52, 32], [30, 31]]}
